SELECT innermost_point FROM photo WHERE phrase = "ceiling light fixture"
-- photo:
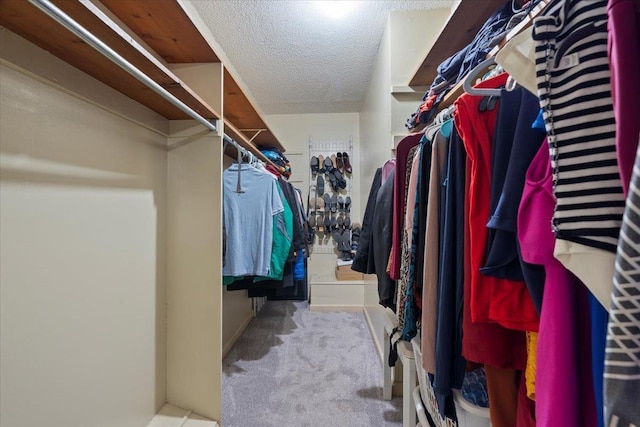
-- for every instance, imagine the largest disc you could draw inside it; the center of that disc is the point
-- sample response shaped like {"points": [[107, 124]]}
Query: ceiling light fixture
{"points": [[335, 9]]}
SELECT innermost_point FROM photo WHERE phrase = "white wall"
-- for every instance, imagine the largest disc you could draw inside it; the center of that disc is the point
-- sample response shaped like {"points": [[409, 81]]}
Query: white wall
{"points": [[295, 131], [375, 131], [82, 244], [407, 38], [375, 117], [411, 36], [237, 311]]}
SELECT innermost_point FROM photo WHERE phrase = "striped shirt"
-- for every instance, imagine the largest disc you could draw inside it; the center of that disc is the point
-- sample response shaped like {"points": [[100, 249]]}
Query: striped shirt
{"points": [[573, 77]]}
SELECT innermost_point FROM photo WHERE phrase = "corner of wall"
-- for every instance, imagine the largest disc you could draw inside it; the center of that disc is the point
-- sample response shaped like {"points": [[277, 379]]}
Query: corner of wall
{"points": [[194, 257]]}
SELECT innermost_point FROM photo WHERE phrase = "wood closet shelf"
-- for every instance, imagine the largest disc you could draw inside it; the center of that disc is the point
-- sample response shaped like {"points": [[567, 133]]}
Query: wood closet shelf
{"points": [[165, 27], [239, 111], [459, 30], [458, 90], [29, 22]]}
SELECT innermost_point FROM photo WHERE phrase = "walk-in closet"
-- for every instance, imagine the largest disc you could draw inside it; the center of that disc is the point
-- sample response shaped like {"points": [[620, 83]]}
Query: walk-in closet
{"points": [[251, 213]]}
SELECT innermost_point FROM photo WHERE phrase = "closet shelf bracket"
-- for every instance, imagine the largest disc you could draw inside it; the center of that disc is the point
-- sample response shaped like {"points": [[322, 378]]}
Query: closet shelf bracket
{"points": [[255, 135]]}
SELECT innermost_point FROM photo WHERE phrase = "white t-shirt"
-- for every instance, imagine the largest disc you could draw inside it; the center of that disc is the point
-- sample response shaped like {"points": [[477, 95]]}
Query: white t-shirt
{"points": [[248, 219]]}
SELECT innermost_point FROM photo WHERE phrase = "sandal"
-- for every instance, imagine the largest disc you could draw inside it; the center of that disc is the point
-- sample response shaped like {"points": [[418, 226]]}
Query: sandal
{"points": [[318, 205], [320, 185], [339, 162], [347, 163], [315, 165]]}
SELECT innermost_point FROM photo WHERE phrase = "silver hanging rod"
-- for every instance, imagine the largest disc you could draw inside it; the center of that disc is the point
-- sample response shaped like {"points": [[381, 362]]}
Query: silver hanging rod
{"points": [[66, 21]]}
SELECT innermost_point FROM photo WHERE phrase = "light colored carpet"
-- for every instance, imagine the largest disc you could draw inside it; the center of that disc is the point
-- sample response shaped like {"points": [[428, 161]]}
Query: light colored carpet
{"points": [[297, 368]]}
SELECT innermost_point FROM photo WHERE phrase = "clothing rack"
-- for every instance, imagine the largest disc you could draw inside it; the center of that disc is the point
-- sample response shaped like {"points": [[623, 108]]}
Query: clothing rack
{"points": [[70, 24]]}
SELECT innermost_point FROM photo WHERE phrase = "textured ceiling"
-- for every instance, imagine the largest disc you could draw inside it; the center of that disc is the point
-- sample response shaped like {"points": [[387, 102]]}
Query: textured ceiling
{"points": [[295, 59]]}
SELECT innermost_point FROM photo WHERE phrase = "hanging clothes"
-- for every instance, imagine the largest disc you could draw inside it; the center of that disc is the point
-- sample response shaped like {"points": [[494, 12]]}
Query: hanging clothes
{"points": [[492, 299], [248, 217], [281, 240], [439, 150], [382, 227], [501, 350], [575, 93], [399, 200], [405, 250], [363, 261], [420, 224], [411, 311], [564, 381], [450, 364], [624, 58], [622, 366], [374, 247], [622, 358], [454, 68]]}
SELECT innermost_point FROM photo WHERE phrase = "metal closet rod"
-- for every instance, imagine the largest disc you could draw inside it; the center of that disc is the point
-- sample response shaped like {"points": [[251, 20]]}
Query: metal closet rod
{"points": [[66, 21]]}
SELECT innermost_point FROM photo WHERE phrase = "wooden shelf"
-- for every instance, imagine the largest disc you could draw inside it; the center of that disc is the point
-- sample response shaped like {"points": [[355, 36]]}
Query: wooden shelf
{"points": [[166, 28], [243, 141], [239, 111], [458, 32], [29, 22], [458, 90], [163, 26]]}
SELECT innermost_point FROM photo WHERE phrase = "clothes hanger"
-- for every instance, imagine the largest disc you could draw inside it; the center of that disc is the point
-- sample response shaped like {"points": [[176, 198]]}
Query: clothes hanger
{"points": [[241, 151], [473, 75], [441, 118], [515, 8]]}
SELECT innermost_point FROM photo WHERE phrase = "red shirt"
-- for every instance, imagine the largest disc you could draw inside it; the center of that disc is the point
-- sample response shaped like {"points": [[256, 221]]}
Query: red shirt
{"points": [[492, 299], [486, 343]]}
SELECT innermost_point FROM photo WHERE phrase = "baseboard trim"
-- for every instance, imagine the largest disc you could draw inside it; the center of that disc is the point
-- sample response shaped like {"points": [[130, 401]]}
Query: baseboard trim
{"points": [[374, 335], [322, 307], [173, 416], [227, 347]]}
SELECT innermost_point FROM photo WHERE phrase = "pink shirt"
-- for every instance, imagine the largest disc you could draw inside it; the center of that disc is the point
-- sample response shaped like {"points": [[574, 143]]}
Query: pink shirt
{"points": [[624, 59], [564, 386]]}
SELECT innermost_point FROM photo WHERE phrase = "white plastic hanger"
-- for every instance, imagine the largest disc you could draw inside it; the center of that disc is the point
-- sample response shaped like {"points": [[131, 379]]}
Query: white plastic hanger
{"points": [[473, 75]]}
